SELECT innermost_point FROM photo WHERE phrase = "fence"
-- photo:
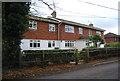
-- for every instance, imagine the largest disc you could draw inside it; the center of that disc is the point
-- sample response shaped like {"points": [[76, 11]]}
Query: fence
{"points": [[98, 53], [45, 57], [42, 57]]}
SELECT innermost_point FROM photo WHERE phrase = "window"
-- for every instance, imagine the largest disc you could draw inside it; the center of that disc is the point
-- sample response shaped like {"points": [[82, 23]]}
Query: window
{"points": [[69, 29], [80, 30], [51, 43], [90, 32], [69, 43], [98, 32], [34, 43], [51, 27], [32, 24]]}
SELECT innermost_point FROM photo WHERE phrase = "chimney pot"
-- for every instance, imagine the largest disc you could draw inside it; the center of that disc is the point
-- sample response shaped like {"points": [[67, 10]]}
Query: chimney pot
{"points": [[53, 14], [91, 25]]}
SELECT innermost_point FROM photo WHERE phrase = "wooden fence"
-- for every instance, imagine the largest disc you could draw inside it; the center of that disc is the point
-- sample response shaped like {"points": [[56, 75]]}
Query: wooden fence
{"points": [[98, 53], [42, 57], [45, 57]]}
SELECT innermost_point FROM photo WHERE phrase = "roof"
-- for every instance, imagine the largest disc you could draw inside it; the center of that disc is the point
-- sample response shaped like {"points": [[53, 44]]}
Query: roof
{"points": [[108, 35], [58, 20]]}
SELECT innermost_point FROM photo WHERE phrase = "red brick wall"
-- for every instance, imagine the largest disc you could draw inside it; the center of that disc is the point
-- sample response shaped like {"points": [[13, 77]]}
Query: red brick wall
{"points": [[69, 36], [93, 32], [43, 32], [85, 32], [108, 40]]}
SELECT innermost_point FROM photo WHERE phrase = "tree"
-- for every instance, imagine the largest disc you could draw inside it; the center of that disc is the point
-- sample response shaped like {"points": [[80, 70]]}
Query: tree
{"points": [[95, 39], [14, 25], [37, 7]]}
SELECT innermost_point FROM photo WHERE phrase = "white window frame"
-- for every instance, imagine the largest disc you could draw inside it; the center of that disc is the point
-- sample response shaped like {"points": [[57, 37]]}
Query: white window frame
{"points": [[34, 44], [90, 32], [69, 43], [80, 30], [69, 29], [98, 32], [52, 27], [33, 24], [52, 44]]}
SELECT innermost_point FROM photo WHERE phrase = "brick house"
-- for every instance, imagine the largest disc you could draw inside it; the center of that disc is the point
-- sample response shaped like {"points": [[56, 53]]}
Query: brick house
{"points": [[111, 37], [50, 33]]}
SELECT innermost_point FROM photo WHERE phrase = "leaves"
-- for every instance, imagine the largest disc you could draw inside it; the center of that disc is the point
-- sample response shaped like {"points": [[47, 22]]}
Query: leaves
{"points": [[14, 25], [31, 72], [96, 38]]}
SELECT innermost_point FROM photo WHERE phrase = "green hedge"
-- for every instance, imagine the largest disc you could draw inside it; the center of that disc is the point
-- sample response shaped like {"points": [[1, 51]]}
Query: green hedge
{"points": [[99, 53], [35, 57], [113, 44]]}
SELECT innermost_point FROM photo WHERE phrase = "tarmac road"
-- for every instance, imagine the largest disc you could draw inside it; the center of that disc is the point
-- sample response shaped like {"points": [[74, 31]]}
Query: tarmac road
{"points": [[105, 71]]}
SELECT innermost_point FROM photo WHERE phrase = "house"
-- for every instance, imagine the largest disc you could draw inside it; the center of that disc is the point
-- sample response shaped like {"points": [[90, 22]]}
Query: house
{"points": [[111, 37], [54, 33]]}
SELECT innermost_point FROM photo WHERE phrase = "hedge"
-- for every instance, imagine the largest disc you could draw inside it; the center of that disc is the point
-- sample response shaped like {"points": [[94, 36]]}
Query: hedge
{"points": [[88, 54], [42, 57]]}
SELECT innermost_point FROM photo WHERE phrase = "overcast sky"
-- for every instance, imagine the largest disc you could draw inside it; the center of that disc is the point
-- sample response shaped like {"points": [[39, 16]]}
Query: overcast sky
{"points": [[102, 13]]}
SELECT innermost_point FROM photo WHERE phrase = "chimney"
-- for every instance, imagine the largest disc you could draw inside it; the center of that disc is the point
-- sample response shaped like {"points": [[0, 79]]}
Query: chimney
{"points": [[53, 14], [90, 25]]}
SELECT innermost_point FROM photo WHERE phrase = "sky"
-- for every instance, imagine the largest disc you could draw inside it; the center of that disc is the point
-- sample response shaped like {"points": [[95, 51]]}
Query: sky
{"points": [[101, 13]]}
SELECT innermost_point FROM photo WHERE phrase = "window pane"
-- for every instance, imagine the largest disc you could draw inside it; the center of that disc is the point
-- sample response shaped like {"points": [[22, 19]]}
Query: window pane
{"points": [[80, 31], [70, 44], [66, 28], [38, 41], [66, 45], [35, 44], [30, 44], [49, 44], [90, 32], [38, 44], [53, 43], [31, 40], [51, 27], [32, 24], [69, 28]]}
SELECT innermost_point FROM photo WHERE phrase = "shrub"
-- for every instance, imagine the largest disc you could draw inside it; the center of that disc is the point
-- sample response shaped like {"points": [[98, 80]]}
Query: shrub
{"points": [[91, 47], [113, 44]]}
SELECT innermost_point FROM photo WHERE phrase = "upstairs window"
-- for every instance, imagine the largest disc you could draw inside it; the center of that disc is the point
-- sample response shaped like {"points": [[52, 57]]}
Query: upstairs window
{"points": [[69, 43], [32, 24], [69, 29], [35, 43], [98, 32], [51, 27], [90, 32], [80, 30]]}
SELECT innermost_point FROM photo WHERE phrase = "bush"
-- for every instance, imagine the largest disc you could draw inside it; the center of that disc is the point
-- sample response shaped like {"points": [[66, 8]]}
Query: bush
{"points": [[113, 44], [99, 53], [43, 57], [91, 47]]}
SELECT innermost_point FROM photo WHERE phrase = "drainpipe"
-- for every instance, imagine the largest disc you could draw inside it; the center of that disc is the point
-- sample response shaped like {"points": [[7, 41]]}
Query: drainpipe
{"points": [[59, 23], [59, 32]]}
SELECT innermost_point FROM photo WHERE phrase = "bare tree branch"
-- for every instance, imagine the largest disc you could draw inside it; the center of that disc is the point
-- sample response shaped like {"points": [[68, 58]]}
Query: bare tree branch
{"points": [[47, 4]]}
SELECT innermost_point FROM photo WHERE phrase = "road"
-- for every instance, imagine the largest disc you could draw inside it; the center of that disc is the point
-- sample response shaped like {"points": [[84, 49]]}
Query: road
{"points": [[106, 71]]}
